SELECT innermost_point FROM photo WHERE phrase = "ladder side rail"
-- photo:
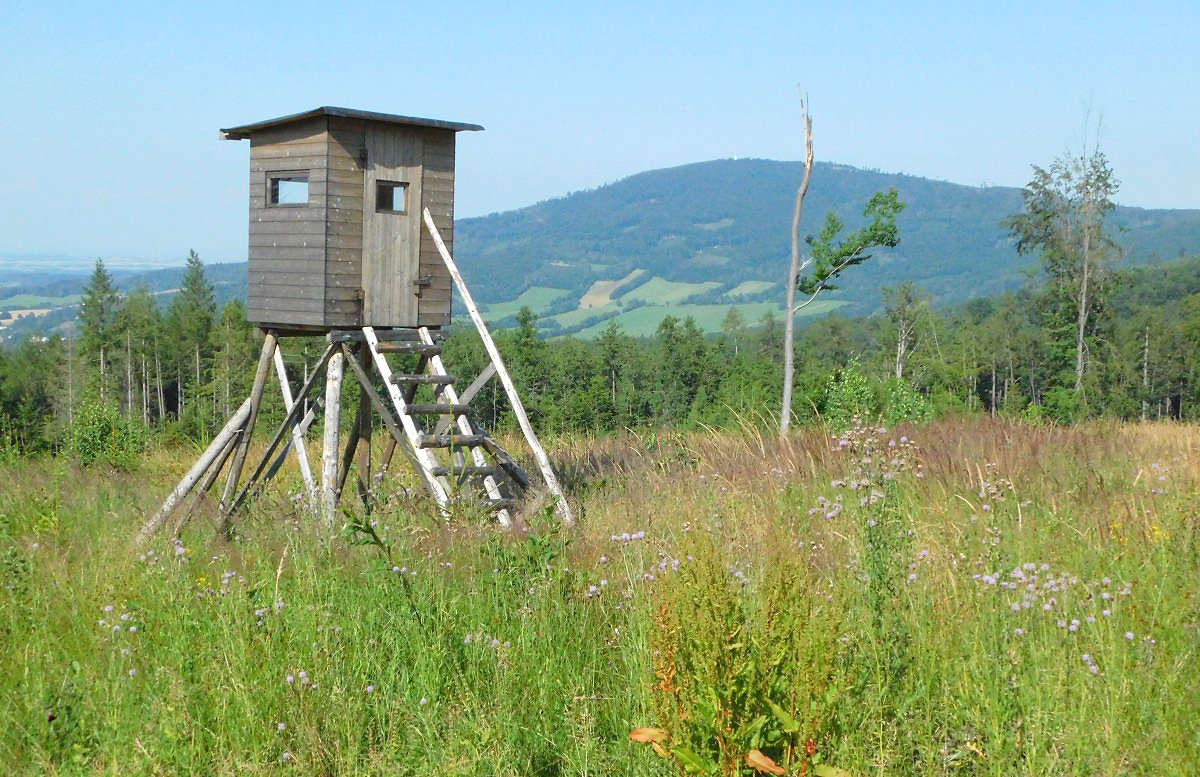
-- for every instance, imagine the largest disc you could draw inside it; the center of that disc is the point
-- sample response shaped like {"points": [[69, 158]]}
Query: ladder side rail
{"points": [[398, 437], [486, 374], [548, 476], [438, 486], [450, 396]]}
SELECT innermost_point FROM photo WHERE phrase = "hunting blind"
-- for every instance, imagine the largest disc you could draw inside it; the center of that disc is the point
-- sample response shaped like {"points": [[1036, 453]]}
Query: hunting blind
{"points": [[336, 197], [351, 229]]}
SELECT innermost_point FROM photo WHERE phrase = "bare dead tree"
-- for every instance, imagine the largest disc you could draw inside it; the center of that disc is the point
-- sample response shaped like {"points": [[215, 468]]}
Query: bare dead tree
{"points": [[789, 324]]}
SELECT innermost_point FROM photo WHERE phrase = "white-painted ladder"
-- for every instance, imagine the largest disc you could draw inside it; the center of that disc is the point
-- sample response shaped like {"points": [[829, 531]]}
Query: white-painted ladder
{"points": [[454, 435]]}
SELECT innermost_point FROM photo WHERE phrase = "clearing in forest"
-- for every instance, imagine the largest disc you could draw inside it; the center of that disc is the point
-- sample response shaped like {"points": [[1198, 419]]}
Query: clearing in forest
{"points": [[600, 294], [536, 298], [660, 291], [749, 288]]}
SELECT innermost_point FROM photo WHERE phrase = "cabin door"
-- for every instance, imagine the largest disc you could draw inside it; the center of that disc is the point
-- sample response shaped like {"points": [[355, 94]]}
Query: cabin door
{"points": [[391, 226]]}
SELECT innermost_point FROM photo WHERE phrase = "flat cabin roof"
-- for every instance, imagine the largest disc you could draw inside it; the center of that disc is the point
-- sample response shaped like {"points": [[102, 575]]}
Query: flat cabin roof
{"points": [[246, 130]]}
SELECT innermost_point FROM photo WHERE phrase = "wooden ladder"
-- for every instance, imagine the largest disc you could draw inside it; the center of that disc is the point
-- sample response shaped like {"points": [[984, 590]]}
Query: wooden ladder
{"points": [[451, 452]]}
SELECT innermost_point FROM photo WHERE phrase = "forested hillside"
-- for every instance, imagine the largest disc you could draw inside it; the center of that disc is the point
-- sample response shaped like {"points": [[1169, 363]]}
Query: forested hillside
{"points": [[699, 239], [138, 366], [729, 221]]}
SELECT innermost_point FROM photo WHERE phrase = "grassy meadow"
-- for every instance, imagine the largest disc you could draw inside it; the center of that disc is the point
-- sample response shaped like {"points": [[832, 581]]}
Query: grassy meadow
{"points": [[969, 597]]}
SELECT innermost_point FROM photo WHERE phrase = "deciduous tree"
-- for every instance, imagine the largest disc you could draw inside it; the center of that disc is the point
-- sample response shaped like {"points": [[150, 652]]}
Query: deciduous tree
{"points": [[1063, 220]]}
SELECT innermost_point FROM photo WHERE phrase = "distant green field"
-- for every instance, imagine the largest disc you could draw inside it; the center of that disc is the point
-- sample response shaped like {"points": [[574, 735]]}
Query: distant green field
{"points": [[579, 315], [660, 291], [747, 288], [36, 301], [644, 321], [538, 298]]}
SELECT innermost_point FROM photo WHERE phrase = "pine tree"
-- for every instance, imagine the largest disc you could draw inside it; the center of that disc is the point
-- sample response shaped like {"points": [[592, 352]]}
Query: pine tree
{"points": [[234, 352], [98, 331], [191, 321], [140, 325]]}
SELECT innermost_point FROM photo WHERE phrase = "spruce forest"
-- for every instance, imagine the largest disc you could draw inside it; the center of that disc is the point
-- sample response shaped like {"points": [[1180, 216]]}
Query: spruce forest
{"points": [[178, 372]]}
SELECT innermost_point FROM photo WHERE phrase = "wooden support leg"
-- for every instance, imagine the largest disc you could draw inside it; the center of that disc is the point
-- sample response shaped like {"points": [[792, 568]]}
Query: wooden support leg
{"points": [[288, 421], [215, 472], [388, 451], [397, 438], [239, 456], [297, 444], [348, 455], [216, 450], [302, 426], [333, 419], [365, 421]]}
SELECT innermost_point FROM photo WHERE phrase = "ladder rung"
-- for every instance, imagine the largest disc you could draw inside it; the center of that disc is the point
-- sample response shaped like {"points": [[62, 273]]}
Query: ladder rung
{"points": [[503, 503], [437, 408], [421, 348], [449, 441], [464, 471], [441, 380]]}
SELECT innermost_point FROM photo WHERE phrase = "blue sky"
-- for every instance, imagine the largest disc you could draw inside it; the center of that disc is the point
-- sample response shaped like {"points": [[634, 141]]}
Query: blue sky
{"points": [[110, 110]]}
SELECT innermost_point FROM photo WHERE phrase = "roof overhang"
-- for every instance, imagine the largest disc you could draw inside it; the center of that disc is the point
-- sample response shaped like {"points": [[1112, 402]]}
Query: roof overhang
{"points": [[246, 130]]}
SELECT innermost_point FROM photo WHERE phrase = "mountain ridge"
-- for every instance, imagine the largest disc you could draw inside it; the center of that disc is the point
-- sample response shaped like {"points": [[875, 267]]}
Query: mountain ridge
{"points": [[692, 234], [736, 214]]}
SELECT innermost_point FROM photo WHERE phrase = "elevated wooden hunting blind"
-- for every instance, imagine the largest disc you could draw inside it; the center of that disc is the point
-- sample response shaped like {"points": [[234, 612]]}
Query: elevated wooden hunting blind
{"points": [[336, 197], [351, 224]]}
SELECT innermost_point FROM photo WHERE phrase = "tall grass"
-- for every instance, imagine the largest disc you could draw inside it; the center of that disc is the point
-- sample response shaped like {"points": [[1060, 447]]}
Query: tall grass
{"points": [[969, 597]]}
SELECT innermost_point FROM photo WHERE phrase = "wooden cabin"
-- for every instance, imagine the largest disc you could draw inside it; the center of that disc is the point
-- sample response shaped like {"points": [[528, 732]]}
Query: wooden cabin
{"points": [[336, 234]]}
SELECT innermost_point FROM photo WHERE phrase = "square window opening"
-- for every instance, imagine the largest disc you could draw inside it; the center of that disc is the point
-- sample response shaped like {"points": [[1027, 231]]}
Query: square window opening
{"points": [[290, 189], [391, 197]]}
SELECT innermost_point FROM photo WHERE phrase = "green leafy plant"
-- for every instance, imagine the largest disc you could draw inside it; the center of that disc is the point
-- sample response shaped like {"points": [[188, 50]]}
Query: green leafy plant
{"points": [[904, 403], [848, 395], [100, 433], [741, 679]]}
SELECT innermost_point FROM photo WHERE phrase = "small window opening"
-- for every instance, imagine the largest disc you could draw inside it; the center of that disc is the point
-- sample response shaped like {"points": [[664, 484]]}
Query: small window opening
{"points": [[391, 197], [289, 189]]}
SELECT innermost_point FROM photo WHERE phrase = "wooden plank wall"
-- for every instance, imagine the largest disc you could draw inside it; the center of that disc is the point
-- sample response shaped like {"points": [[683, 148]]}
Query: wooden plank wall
{"points": [[287, 244], [437, 187], [306, 263], [344, 223]]}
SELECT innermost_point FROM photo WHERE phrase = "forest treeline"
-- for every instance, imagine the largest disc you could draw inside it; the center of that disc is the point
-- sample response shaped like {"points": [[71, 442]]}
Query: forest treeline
{"points": [[139, 370], [1081, 340]]}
